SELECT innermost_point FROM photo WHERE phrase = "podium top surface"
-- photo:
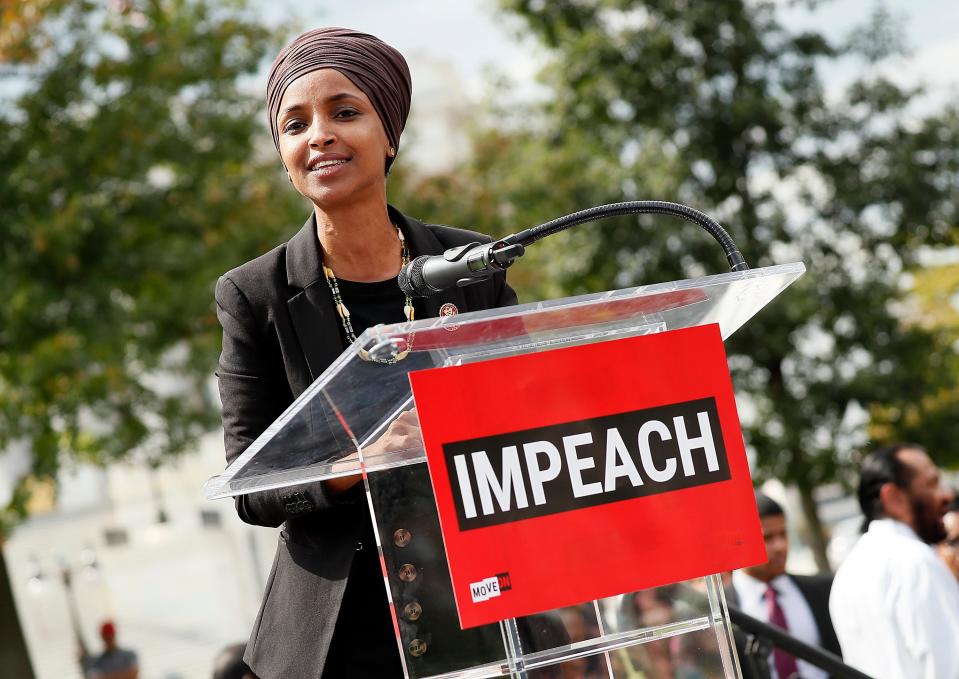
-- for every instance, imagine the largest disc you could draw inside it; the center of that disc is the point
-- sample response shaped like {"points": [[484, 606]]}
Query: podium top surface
{"points": [[335, 427]]}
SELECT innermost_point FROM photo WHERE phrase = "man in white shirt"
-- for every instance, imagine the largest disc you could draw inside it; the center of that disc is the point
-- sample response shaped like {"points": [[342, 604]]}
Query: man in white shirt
{"points": [[894, 603], [949, 548], [798, 604]]}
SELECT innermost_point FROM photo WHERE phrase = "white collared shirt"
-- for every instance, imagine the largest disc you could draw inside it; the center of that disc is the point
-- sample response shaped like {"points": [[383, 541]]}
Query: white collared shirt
{"points": [[895, 607], [802, 625]]}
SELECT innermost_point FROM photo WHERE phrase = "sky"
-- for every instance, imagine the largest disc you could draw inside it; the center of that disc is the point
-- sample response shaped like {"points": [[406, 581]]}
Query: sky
{"points": [[453, 45], [473, 35], [467, 33], [931, 38]]}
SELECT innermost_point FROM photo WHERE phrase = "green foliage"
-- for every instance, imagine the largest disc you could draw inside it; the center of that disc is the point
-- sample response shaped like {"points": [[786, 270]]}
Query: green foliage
{"points": [[719, 106], [135, 170], [133, 173], [850, 187]]}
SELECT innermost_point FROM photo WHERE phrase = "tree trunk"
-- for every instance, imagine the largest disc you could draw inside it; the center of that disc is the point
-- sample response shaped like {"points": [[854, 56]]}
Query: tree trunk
{"points": [[817, 536], [14, 658]]}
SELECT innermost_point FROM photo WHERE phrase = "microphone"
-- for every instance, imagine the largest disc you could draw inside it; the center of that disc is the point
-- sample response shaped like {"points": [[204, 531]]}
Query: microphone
{"points": [[464, 265], [475, 262]]}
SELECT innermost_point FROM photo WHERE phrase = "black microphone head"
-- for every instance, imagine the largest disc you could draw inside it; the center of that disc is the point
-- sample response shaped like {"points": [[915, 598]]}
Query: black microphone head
{"points": [[411, 280], [403, 279]]}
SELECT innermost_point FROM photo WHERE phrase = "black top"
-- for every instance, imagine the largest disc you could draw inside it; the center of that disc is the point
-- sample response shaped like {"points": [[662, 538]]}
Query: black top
{"points": [[363, 640], [370, 304]]}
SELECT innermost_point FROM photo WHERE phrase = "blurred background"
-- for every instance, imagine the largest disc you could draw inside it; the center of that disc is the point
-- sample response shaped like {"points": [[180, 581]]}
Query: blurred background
{"points": [[135, 167]]}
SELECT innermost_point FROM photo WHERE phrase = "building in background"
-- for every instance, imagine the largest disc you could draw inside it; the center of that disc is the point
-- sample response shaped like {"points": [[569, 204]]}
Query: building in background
{"points": [[181, 576]]}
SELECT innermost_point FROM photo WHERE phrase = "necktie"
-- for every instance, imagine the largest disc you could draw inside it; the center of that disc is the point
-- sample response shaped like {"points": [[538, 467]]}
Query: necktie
{"points": [[785, 663]]}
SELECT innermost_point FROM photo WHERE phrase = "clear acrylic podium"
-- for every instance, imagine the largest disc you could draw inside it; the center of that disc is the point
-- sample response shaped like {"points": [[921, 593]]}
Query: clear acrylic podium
{"points": [[339, 427]]}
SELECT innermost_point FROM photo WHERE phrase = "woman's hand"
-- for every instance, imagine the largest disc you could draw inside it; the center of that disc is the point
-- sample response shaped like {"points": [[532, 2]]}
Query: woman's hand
{"points": [[403, 433]]}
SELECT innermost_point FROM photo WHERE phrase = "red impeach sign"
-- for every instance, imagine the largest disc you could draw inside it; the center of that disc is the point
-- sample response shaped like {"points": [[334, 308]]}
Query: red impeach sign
{"points": [[585, 472]]}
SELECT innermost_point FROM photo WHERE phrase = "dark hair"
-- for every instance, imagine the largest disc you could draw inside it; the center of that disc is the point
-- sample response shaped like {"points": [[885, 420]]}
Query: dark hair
{"points": [[767, 506], [880, 467], [229, 663]]}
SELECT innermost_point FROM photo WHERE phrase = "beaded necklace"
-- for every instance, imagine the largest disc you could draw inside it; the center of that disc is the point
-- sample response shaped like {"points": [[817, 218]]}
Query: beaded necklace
{"points": [[344, 313]]}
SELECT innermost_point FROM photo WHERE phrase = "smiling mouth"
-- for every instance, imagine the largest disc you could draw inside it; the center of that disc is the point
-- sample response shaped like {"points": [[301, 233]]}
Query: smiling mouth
{"points": [[327, 165]]}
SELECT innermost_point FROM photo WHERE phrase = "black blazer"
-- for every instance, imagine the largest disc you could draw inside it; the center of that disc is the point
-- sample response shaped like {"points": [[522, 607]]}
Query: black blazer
{"points": [[815, 589], [280, 332]]}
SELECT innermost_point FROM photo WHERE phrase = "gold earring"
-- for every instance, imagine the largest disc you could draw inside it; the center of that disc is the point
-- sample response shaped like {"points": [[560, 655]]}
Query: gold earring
{"points": [[392, 152]]}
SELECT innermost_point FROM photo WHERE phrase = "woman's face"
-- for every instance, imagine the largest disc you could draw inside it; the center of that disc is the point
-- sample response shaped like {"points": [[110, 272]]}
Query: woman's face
{"points": [[331, 140]]}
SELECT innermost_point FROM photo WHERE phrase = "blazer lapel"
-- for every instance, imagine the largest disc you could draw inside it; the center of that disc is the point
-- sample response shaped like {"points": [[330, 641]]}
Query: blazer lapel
{"points": [[422, 242], [311, 310]]}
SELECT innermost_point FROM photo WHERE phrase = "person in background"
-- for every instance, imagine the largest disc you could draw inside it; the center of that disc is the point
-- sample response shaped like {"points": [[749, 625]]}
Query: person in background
{"points": [[894, 602], [574, 620], [797, 603], [229, 664], [949, 548], [652, 607], [114, 662]]}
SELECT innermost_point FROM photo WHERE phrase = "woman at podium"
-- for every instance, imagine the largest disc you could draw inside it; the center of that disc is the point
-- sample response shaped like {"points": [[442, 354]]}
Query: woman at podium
{"points": [[337, 102]]}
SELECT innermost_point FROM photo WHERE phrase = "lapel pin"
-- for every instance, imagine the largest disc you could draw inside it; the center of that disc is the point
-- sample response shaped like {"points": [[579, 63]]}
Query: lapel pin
{"points": [[447, 310]]}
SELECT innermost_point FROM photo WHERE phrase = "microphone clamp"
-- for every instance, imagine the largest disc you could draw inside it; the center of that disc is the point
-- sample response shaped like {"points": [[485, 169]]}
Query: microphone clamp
{"points": [[460, 266]]}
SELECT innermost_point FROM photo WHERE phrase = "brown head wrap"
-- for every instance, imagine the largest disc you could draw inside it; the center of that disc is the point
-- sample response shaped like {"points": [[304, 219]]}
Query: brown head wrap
{"points": [[373, 66]]}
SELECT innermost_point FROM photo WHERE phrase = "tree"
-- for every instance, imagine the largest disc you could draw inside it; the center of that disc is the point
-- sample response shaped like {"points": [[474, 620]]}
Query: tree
{"points": [[719, 106], [133, 175], [135, 169]]}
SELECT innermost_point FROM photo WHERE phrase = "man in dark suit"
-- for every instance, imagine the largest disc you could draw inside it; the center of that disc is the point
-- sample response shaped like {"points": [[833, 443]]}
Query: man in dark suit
{"points": [[797, 603]]}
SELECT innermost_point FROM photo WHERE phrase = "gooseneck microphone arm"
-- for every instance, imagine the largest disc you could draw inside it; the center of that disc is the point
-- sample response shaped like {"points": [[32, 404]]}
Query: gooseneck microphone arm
{"points": [[474, 262], [632, 207]]}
